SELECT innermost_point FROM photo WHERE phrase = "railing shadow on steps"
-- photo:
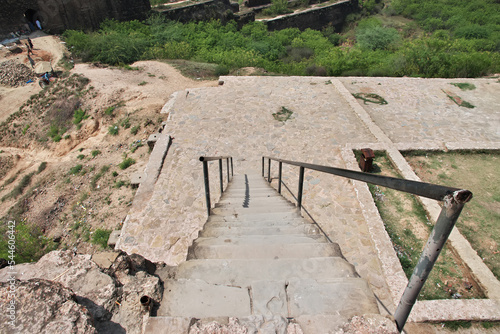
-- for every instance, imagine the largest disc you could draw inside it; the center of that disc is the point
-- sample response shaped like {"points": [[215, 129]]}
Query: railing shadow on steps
{"points": [[453, 200], [205, 160]]}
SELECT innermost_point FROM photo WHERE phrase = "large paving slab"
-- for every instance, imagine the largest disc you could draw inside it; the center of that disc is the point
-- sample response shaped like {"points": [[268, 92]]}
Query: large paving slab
{"points": [[419, 111]]}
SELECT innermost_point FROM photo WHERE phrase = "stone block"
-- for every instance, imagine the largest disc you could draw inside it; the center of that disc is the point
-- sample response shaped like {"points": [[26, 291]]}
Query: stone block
{"points": [[137, 178], [153, 138], [113, 238]]}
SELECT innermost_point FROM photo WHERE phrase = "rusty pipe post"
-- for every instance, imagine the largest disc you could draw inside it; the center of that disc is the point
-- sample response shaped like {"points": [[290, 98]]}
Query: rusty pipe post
{"points": [[269, 171], [301, 188], [263, 167], [452, 206], [279, 176], [221, 177], [227, 164], [207, 185]]}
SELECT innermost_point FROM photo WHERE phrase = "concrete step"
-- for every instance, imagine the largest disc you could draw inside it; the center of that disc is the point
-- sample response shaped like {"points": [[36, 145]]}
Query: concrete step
{"points": [[258, 240], [256, 217], [199, 299], [221, 221], [243, 272], [231, 209], [232, 231], [275, 199], [168, 325], [347, 297], [264, 251]]}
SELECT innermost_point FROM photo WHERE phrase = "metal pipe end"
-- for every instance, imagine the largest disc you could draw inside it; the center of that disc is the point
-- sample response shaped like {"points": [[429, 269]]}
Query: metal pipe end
{"points": [[462, 196], [202, 158]]}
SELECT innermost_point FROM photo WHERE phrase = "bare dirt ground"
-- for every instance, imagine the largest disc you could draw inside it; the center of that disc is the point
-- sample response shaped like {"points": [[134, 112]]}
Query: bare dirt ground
{"points": [[66, 205]]}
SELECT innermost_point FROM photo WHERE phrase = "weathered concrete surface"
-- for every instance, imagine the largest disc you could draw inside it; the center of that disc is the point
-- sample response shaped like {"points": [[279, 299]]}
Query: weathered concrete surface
{"points": [[326, 124]]}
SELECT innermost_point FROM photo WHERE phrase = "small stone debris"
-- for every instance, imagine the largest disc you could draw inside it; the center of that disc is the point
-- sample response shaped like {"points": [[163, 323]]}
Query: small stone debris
{"points": [[14, 74]]}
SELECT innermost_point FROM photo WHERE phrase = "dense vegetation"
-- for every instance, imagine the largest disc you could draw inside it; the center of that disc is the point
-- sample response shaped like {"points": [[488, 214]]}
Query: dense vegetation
{"points": [[445, 38]]}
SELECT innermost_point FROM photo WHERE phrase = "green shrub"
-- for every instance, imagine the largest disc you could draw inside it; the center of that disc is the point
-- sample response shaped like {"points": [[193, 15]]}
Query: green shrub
{"points": [[75, 170], [126, 163], [79, 116], [113, 130], [135, 129], [31, 244], [221, 70], [95, 153], [42, 167], [100, 237], [377, 38], [80, 156], [125, 123]]}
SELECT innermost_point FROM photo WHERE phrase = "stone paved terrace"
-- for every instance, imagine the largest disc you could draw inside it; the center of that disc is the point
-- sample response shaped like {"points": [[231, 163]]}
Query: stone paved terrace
{"points": [[326, 125]]}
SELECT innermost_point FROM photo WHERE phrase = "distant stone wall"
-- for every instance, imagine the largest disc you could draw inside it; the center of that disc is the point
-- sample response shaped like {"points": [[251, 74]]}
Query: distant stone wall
{"points": [[213, 9], [59, 15], [316, 18]]}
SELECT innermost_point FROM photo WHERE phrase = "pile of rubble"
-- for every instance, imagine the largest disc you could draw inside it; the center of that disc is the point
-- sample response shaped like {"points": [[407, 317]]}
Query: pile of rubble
{"points": [[14, 74]]}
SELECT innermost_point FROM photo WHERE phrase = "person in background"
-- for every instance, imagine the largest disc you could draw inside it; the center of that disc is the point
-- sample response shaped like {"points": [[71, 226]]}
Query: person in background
{"points": [[30, 44], [38, 24]]}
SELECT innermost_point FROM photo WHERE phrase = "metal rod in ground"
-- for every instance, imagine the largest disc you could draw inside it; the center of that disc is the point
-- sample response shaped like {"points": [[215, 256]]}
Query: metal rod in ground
{"points": [[232, 169], [301, 186], [279, 176], [207, 185], [450, 212], [220, 176], [262, 166], [269, 171], [227, 164]]}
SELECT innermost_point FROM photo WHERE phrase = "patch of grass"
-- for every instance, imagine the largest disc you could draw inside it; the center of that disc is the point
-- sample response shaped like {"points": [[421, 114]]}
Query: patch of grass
{"points": [[370, 97], [464, 85], [142, 83], [125, 123], [100, 237], [95, 153], [75, 170], [93, 182], [477, 172], [135, 129], [408, 226], [81, 156], [25, 129], [56, 133], [31, 244], [126, 163], [19, 189], [283, 115], [79, 116], [456, 325], [135, 146], [42, 167], [113, 130], [119, 184]]}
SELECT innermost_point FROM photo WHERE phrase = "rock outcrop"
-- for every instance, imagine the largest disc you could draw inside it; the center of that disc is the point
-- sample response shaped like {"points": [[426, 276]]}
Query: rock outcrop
{"points": [[110, 291], [43, 306]]}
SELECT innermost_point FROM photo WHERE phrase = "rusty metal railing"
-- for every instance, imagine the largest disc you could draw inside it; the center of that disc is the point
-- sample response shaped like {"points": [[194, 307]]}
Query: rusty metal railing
{"points": [[205, 161], [453, 200]]}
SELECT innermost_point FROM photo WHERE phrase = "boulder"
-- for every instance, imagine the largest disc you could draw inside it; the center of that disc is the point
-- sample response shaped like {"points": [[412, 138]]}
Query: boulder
{"points": [[43, 306]]}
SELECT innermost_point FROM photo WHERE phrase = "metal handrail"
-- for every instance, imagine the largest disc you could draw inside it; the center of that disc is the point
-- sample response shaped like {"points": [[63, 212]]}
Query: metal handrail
{"points": [[453, 200], [205, 161]]}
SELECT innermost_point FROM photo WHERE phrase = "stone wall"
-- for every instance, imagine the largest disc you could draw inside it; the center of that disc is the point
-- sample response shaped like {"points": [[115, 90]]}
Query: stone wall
{"points": [[316, 18], [203, 11], [59, 15]]}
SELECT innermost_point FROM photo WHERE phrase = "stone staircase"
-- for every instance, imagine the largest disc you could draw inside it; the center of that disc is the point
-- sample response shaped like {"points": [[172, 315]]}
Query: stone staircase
{"points": [[257, 258]]}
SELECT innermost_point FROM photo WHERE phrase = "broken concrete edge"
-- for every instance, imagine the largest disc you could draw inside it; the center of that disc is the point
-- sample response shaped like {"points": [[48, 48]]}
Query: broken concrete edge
{"points": [[152, 171], [429, 310], [113, 238], [170, 103]]}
